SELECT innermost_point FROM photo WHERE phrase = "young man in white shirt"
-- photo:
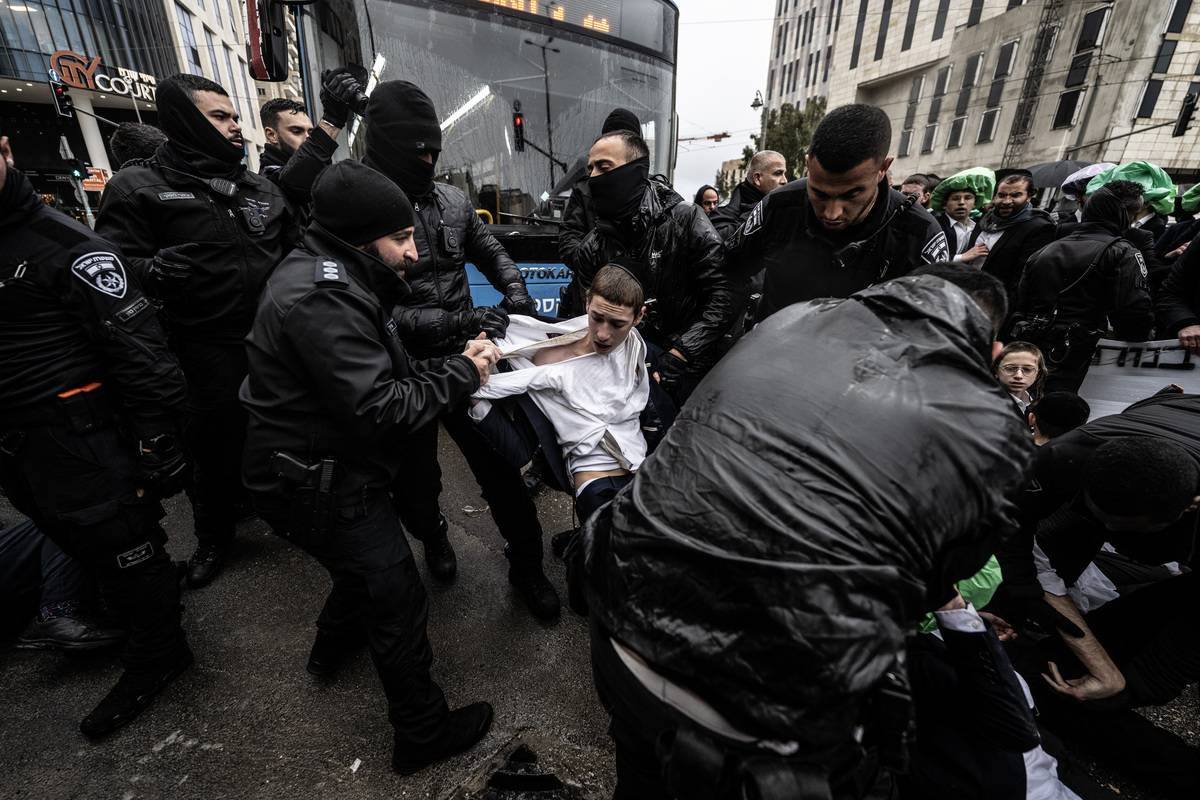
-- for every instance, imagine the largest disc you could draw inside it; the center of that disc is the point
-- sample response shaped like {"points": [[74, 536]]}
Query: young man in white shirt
{"points": [[588, 377]]}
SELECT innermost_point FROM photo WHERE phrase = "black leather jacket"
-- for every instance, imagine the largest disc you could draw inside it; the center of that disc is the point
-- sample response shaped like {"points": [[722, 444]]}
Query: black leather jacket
{"points": [[448, 234], [146, 208], [329, 377], [676, 253], [742, 200]]}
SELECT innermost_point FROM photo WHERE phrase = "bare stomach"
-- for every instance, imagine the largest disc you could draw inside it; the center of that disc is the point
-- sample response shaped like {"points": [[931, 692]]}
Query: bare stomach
{"points": [[583, 477]]}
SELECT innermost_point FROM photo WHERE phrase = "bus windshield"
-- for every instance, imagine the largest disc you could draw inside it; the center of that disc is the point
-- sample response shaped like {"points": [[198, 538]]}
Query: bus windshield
{"points": [[479, 65]]}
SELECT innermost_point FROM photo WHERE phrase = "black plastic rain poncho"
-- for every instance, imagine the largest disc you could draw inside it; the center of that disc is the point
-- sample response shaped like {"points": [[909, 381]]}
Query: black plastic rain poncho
{"points": [[774, 551]]}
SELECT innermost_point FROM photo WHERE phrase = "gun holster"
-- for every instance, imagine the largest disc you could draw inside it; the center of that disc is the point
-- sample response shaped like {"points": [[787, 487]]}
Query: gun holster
{"points": [[313, 509]]}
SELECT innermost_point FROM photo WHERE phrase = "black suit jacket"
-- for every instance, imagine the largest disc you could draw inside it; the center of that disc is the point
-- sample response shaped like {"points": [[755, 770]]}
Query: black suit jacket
{"points": [[1007, 259]]}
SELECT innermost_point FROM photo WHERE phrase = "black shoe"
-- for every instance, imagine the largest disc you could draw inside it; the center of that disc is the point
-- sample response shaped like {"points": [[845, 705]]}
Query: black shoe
{"points": [[131, 696], [464, 727], [536, 590], [329, 653], [68, 633], [207, 562], [560, 541], [439, 554]]}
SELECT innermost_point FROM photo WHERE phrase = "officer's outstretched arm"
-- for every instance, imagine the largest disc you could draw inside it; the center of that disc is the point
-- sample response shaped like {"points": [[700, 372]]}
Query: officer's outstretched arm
{"points": [[719, 295], [123, 221], [485, 252], [336, 337], [297, 176]]}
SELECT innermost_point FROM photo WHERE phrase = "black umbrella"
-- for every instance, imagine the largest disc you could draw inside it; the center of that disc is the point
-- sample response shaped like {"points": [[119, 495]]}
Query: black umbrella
{"points": [[1053, 173]]}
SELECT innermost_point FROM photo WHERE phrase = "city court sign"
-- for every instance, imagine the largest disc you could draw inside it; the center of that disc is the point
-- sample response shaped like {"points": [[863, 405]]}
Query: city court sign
{"points": [[82, 72]]}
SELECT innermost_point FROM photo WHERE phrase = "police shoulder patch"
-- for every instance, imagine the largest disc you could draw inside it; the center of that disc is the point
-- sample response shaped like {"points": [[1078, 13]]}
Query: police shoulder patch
{"points": [[755, 220], [330, 273], [103, 272], [1141, 262], [936, 249]]}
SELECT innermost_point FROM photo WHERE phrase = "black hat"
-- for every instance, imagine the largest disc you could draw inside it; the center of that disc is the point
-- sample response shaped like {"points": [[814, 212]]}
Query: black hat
{"points": [[621, 119], [1003, 174], [400, 115], [359, 205]]}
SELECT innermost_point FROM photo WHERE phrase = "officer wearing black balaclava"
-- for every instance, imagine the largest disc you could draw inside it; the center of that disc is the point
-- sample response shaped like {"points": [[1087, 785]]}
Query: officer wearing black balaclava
{"points": [[1075, 288], [671, 247], [203, 233], [436, 318], [578, 215]]}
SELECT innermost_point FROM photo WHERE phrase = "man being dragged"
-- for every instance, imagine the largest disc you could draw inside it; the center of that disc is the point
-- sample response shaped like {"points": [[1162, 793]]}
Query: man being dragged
{"points": [[582, 388]]}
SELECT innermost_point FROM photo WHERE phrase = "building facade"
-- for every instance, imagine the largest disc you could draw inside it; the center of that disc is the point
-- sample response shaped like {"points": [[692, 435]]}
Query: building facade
{"points": [[802, 46], [1016, 82]]}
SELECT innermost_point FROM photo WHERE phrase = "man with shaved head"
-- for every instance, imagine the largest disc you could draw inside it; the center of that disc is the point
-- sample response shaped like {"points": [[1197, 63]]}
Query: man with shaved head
{"points": [[766, 173]]}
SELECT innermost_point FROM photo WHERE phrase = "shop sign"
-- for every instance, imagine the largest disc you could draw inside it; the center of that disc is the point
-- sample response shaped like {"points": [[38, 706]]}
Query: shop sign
{"points": [[96, 179], [83, 72]]}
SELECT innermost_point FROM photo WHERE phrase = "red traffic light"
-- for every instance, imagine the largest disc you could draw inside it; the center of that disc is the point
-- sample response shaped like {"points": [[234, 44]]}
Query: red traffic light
{"points": [[518, 131], [62, 99]]}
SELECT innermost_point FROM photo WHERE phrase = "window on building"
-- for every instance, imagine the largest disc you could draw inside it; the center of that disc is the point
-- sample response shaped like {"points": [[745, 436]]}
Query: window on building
{"points": [[808, 71], [770, 84], [816, 67], [800, 33], [956, 132], [211, 42], [987, 125], [910, 24], [1015, 4], [837, 18], [217, 13], [929, 138], [1091, 33], [914, 100], [828, 59], [1149, 99], [881, 40], [856, 48], [1068, 109], [905, 143], [1178, 16], [250, 122], [940, 85], [970, 78], [829, 15], [1166, 51], [191, 53], [1008, 55], [1077, 74], [939, 20], [975, 13]]}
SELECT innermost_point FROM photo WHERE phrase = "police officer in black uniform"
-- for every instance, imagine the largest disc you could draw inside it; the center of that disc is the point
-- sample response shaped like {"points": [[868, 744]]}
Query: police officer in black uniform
{"points": [[436, 317], [203, 232], [89, 403], [842, 228], [333, 398], [1074, 288]]}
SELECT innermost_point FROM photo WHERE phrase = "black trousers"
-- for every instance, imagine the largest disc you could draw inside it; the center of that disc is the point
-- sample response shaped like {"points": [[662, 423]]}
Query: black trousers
{"points": [[78, 487], [214, 433], [1152, 636], [419, 485], [376, 594], [35, 574], [596, 494], [643, 728]]}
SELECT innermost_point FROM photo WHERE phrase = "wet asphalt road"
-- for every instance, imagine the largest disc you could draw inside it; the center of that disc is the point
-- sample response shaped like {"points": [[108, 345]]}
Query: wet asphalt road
{"points": [[248, 722]]}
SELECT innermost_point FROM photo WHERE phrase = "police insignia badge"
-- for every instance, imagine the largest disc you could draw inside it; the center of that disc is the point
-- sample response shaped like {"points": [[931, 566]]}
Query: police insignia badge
{"points": [[1141, 262], [936, 249], [754, 221], [102, 272]]}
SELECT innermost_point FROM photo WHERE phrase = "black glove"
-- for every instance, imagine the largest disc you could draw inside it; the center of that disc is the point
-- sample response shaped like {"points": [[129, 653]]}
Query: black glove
{"points": [[517, 300], [488, 319], [670, 369], [341, 93], [162, 468], [169, 272]]}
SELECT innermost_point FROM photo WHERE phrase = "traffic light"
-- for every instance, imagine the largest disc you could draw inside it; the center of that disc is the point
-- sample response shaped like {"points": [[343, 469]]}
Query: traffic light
{"points": [[62, 99], [518, 131], [78, 170], [1185, 114]]}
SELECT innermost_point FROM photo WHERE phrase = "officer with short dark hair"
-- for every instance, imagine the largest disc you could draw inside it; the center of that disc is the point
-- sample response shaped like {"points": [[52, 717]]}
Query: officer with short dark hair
{"points": [[89, 404], [203, 234], [333, 398], [841, 228]]}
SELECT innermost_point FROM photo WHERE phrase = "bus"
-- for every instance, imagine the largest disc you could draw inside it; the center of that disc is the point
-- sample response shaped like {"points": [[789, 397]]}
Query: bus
{"points": [[547, 72]]}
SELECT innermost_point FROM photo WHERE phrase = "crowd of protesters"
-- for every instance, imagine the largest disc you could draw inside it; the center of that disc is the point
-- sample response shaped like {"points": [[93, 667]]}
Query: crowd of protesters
{"points": [[846, 528]]}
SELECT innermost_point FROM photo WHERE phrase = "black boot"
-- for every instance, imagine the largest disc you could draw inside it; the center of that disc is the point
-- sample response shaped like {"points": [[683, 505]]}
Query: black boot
{"points": [[464, 727], [329, 652], [439, 553], [535, 589], [207, 562], [131, 696], [68, 632]]}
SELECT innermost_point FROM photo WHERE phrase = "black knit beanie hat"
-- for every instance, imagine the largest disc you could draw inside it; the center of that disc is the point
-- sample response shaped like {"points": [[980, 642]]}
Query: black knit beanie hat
{"points": [[358, 204], [621, 119]]}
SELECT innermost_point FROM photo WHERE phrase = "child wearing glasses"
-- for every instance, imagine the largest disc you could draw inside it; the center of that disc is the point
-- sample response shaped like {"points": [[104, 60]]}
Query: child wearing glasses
{"points": [[1021, 370]]}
